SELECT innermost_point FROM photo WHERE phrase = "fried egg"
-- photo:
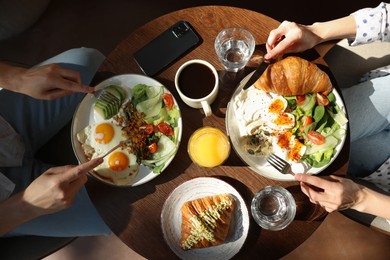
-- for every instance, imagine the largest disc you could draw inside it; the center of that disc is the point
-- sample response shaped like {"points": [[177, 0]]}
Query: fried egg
{"points": [[97, 139], [119, 167]]}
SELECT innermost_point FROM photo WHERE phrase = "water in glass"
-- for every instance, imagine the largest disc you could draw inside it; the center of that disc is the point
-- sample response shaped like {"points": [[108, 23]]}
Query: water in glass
{"points": [[273, 208], [234, 54], [234, 47]]}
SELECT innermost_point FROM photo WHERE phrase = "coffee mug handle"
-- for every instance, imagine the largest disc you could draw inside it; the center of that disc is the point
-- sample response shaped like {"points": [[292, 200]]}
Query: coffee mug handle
{"points": [[206, 108]]}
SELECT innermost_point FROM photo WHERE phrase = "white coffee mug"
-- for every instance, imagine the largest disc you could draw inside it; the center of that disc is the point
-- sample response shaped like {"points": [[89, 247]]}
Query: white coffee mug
{"points": [[197, 83]]}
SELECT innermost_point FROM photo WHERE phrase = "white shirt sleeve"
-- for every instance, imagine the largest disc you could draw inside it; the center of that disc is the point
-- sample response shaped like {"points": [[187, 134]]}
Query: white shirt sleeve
{"points": [[372, 25]]}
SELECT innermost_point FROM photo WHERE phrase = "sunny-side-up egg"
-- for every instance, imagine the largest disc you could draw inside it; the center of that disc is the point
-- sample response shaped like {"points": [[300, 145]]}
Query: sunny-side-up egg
{"points": [[97, 139], [119, 167]]}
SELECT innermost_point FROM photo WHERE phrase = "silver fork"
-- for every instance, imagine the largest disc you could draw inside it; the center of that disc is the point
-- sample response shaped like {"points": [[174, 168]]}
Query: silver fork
{"points": [[279, 164], [98, 92], [101, 93]]}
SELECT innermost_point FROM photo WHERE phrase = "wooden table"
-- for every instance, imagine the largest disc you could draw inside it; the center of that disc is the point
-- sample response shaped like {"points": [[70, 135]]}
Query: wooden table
{"points": [[133, 214]]}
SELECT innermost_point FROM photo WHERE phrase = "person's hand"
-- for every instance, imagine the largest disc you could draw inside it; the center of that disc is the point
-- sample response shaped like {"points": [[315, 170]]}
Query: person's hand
{"points": [[56, 188], [48, 82], [333, 193], [290, 37]]}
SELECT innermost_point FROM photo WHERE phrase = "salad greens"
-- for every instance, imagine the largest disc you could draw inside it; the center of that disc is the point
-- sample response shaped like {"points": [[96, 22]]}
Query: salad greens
{"points": [[159, 112], [312, 117]]}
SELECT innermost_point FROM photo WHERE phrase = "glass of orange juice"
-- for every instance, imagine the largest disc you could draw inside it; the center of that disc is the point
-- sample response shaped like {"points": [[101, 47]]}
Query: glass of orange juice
{"points": [[208, 147]]}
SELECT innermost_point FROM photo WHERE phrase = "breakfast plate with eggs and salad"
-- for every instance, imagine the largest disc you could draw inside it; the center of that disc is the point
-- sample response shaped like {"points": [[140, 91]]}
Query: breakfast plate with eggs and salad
{"points": [[293, 111], [134, 122]]}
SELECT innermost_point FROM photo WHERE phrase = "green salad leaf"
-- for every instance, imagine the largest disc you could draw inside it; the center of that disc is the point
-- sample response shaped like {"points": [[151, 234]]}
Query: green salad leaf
{"points": [[326, 120], [148, 100]]}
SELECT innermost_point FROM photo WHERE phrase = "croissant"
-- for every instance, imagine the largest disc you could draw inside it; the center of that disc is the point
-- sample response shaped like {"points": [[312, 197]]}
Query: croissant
{"points": [[294, 76], [206, 221]]}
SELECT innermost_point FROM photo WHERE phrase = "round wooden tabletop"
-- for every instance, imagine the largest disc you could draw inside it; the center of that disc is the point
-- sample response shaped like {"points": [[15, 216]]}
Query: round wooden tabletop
{"points": [[133, 213]]}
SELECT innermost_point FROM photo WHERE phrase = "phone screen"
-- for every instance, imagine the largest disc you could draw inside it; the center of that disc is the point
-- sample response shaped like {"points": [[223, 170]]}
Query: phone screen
{"points": [[166, 48]]}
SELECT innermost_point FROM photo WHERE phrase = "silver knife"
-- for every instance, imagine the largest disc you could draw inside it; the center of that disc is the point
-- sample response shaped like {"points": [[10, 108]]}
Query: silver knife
{"points": [[258, 72]]}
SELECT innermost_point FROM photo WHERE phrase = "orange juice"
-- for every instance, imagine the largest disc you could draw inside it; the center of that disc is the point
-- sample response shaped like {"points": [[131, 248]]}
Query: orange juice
{"points": [[208, 147]]}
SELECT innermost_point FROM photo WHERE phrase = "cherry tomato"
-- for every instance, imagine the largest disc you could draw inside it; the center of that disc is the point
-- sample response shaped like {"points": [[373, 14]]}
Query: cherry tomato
{"points": [[306, 120], [300, 99], [322, 100], [315, 137], [148, 129], [168, 100], [152, 148], [165, 129]]}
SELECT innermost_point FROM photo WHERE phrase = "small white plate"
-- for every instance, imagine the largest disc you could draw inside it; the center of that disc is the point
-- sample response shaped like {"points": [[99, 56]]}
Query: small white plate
{"points": [[85, 115], [257, 163], [194, 189]]}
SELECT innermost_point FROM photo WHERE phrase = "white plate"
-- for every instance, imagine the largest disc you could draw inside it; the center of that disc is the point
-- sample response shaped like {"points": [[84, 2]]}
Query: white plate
{"points": [[85, 116], [194, 189], [259, 164]]}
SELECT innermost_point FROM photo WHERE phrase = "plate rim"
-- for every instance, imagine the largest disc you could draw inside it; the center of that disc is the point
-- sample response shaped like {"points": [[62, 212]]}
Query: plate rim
{"points": [[267, 170], [102, 84], [206, 181]]}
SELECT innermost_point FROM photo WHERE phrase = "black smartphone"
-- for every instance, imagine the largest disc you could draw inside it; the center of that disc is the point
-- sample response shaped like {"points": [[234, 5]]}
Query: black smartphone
{"points": [[171, 44]]}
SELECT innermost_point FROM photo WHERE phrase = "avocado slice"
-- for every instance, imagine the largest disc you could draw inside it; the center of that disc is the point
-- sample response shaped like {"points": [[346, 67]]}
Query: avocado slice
{"points": [[116, 91]]}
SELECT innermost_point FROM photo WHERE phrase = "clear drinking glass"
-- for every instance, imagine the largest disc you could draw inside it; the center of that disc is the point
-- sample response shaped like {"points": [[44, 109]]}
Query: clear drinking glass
{"points": [[234, 47], [273, 208]]}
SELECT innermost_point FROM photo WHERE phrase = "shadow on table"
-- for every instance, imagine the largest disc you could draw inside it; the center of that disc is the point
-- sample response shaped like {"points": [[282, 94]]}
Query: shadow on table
{"points": [[306, 210], [247, 196]]}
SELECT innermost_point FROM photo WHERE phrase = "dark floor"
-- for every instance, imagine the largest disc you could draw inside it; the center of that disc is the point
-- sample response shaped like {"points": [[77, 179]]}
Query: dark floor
{"points": [[103, 24]]}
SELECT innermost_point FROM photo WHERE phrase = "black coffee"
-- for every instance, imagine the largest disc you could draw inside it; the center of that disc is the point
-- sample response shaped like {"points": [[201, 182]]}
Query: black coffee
{"points": [[196, 81]]}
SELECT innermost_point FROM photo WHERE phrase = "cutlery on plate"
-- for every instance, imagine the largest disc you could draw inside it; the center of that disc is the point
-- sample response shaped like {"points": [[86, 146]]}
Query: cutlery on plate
{"points": [[113, 149], [279, 164], [103, 94], [108, 152]]}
